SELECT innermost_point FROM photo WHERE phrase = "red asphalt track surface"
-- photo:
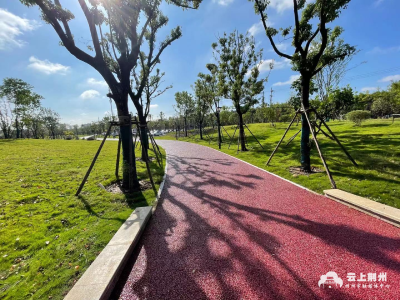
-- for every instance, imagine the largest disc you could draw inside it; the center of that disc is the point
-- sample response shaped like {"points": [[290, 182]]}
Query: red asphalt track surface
{"points": [[226, 230]]}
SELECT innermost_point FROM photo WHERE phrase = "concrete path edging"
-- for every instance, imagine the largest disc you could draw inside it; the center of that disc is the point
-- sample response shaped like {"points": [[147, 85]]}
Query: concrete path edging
{"points": [[99, 280], [378, 210]]}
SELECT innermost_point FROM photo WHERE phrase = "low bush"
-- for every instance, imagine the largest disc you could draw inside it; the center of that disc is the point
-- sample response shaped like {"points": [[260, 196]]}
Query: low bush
{"points": [[357, 116]]}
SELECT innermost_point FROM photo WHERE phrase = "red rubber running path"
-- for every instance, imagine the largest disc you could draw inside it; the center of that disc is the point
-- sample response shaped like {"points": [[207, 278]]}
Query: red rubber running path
{"points": [[226, 230]]}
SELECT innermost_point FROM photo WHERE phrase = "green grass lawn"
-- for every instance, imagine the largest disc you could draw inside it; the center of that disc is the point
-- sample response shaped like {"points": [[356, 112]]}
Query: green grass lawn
{"points": [[375, 146], [49, 237]]}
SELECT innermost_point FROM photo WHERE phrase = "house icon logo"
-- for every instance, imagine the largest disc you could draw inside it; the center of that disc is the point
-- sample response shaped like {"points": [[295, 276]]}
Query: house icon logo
{"points": [[330, 279]]}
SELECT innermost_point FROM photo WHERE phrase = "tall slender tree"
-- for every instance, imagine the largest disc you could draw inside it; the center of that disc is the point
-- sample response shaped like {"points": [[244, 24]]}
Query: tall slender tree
{"points": [[314, 48], [209, 83], [21, 97], [185, 106], [238, 74], [149, 79], [202, 103], [125, 25]]}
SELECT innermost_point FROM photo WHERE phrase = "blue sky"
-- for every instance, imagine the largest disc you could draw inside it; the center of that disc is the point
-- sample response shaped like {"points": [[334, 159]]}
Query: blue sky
{"points": [[30, 50]]}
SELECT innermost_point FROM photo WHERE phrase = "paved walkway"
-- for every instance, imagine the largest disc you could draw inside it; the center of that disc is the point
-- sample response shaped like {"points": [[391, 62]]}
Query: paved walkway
{"points": [[227, 230]]}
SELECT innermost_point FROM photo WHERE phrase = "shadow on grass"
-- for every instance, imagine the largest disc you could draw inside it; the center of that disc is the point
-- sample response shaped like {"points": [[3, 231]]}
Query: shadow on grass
{"points": [[134, 199], [6, 141]]}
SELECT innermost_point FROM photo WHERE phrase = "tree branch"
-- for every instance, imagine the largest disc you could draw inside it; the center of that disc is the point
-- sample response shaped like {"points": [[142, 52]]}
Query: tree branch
{"points": [[297, 34], [70, 45], [311, 39], [270, 37], [92, 27], [65, 23], [165, 45], [324, 34]]}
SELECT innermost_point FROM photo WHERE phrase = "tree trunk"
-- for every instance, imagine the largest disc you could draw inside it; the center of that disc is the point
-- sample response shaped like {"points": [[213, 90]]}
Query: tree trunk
{"points": [[186, 131], [219, 130], [143, 134], [125, 131], [201, 130], [241, 133], [305, 129], [17, 126]]}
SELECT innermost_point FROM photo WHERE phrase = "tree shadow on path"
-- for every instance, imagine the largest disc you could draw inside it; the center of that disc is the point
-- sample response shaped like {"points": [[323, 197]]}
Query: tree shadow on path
{"points": [[206, 242]]}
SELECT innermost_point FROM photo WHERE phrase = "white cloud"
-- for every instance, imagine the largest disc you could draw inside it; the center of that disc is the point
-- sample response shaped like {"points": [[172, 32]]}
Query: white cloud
{"points": [[379, 50], [256, 28], [281, 5], [89, 94], [290, 81], [12, 26], [47, 67], [265, 65], [153, 105], [223, 2], [378, 2], [101, 83], [369, 89], [282, 46], [390, 78]]}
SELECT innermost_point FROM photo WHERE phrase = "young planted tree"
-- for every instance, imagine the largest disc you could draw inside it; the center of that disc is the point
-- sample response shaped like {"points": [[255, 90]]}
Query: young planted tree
{"points": [[149, 79], [202, 102], [314, 49], [209, 84], [21, 99], [125, 25], [330, 77], [162, 121], [51, 121], [262, 111], [33, 121], [238, 72], [185, 106], [147, 88], [6, 118]]}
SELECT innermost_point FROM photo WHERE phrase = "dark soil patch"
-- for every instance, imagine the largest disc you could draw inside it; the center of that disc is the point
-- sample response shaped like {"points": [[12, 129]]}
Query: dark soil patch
{"points": [[298, 171], [116, 188]]}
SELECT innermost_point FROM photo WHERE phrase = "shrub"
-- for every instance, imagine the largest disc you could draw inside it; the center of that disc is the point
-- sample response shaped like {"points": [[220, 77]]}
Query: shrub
{"points": [[357, 116]]}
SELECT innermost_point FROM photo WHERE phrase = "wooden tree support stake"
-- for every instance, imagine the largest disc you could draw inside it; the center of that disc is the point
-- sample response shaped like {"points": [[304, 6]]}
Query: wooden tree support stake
{"points": [[254, 136], [233, 136], [118, 156], [319, 151], [336, 139], [277, 146], [293, 137], [226, 131], [93, 162]]}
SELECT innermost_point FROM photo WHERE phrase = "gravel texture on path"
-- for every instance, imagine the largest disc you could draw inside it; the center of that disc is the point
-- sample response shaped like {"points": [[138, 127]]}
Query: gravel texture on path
{"points": [[226, 230]]}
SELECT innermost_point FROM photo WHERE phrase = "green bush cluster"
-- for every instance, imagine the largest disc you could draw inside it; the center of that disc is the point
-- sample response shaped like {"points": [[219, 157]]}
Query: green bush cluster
{"points": [[357, 116]]}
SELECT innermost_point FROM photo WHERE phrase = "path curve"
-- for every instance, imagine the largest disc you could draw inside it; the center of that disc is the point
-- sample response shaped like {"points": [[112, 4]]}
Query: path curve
{"points": [[227, 230]]}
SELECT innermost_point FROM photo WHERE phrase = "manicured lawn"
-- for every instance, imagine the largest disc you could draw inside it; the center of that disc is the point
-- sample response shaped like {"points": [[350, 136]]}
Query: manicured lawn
{"points": [[49, 237], [375, 146]]}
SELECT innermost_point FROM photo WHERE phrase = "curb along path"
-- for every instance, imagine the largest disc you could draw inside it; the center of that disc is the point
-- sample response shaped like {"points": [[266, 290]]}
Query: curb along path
{"points": [[224, 229]]}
